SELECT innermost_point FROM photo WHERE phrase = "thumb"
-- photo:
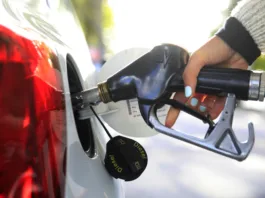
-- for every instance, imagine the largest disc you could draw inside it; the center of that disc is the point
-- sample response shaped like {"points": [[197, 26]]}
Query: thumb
{"points": [[191, 73]]}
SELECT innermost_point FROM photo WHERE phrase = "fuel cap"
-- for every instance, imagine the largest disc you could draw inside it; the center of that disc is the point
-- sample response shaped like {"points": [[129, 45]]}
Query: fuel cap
{"points": [[125, 158]]}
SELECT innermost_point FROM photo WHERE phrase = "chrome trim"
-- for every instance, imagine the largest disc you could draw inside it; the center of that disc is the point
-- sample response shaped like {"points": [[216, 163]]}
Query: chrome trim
{"points": [[254, 86], [262, 87], [90, 97]]}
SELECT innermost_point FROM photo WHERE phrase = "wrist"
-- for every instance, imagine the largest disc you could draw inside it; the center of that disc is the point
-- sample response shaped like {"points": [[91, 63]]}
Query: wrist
{"points": [[237, 37]]}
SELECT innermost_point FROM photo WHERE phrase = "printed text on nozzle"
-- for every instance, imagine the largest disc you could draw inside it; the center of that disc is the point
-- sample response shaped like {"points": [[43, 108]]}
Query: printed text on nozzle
{"points": [[155, 76]]}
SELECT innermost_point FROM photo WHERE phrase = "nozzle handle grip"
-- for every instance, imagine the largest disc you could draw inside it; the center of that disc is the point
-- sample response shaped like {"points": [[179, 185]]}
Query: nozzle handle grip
{"points": [[218, 81]]}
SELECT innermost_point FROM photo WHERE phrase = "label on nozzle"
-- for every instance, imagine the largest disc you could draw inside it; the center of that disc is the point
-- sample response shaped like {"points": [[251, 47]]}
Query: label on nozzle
{"points": [[134, 111]]}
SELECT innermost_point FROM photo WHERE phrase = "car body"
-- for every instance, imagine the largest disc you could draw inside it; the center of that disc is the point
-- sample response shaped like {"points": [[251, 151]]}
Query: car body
{"points": [[45, 150]]}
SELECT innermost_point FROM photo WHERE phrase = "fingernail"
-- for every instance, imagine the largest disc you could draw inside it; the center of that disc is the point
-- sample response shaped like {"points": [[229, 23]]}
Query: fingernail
{"points": [[202, 108], [194, 102], [188, 91]]}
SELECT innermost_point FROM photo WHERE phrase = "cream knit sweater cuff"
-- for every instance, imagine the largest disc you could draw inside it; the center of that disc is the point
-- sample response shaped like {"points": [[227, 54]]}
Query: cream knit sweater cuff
{"points": [[251, 13]]}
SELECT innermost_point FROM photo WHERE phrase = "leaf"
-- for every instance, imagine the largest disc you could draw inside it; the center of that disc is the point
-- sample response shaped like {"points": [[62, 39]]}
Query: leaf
{"points": [[259, 64]]}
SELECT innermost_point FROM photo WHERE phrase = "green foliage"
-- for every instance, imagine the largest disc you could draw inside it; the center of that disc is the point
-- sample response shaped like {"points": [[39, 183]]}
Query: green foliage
{"points": [[226, 13], [231, 6], [259, 64], [96, 18], [107, 16]]}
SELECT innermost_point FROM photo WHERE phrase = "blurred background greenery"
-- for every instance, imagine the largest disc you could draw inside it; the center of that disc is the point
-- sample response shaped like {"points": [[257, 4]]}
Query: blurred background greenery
{"points": [[96, 18], [259, 64], [97, 21]]}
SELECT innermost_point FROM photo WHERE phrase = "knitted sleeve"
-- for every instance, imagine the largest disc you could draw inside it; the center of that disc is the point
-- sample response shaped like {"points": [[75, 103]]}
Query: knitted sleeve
{"points": [[251, 13], [244, 30]]}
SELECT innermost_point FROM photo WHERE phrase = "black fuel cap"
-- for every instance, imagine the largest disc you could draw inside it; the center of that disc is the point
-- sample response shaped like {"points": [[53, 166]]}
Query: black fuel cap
{"points": [[125, 158]]}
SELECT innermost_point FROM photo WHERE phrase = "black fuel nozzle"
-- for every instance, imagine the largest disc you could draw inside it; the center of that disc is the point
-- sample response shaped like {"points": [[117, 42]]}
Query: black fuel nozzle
{"points": [[157, 74], [147, 77]]}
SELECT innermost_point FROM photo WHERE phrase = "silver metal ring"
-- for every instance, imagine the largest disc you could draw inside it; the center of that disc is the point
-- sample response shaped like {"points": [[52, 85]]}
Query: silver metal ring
{"points": [[254, 85], [262, 87]]}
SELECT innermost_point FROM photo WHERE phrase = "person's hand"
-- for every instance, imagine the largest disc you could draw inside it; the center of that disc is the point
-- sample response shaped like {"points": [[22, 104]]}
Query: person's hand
{"points": [[214, 52]]}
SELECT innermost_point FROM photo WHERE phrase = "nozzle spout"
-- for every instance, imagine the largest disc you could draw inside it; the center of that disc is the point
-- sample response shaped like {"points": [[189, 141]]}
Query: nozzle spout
{"points": [[90, 97]]}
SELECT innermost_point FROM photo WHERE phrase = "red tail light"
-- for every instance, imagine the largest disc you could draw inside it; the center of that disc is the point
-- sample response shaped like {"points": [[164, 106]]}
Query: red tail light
{"points": [[32, 121]]}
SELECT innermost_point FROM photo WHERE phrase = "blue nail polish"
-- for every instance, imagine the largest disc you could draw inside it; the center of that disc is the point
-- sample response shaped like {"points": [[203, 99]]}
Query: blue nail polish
{"points": [[202, 108], [194, 102], [188, 91]]}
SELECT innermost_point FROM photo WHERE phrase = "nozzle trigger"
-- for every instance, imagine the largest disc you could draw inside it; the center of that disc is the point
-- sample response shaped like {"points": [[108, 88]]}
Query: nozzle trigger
{"points": [[221, 139]]}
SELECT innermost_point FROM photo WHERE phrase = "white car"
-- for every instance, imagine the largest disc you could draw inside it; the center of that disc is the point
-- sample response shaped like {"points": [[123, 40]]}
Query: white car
{"points": [[44, 150]]}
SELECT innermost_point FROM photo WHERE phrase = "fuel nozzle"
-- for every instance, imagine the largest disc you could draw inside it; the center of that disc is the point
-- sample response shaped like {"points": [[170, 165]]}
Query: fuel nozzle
{"points": [[156, 75], [101, 93], [89, 97]]}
